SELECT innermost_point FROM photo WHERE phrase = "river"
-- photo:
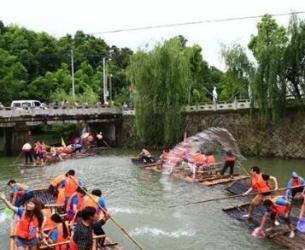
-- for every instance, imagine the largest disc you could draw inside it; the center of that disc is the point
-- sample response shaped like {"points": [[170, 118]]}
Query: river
{"points": [[139, 200]]}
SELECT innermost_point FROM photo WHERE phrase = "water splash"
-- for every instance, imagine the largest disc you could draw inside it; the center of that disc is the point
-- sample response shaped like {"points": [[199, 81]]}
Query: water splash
{"points": [[211, 140], [116, 210], [157, 232]]}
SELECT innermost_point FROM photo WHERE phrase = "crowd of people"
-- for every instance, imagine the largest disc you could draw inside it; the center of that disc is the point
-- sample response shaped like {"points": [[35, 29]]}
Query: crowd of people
{"points": [[40, 154], [275, 205], [82, 215]]}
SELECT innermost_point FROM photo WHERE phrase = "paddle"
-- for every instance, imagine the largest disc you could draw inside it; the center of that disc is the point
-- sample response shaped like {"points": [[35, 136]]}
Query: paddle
{"points": [[111, 218], [230, 197], [15, 162]]}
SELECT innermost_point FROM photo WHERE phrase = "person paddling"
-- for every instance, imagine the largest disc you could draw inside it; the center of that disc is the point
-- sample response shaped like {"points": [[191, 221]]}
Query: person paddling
{"points": [[273, 209], [294, 186], [145, 156], [29, 224], [259, 183], [75, 204], [71, 184], [21, 193], [230, 161]]}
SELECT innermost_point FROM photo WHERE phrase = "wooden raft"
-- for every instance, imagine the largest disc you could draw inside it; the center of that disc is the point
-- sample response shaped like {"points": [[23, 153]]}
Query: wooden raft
{"points": [[277, 234], [220, 180]]}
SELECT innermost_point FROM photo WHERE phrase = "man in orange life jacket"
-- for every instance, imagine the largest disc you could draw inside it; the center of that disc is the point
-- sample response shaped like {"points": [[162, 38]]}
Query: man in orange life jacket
{"points": [[75, 203], [71, 184], [57, 183], [21, 193], [259, 183], [229, 163], [274, 208], [295, 185]]}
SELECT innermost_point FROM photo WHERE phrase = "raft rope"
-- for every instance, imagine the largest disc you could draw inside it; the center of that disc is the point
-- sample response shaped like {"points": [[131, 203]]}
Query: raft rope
{"points": [[111, 218]]}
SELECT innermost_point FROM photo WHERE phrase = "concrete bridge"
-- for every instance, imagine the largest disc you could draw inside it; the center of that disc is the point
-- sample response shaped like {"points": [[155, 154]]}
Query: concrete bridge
{"points": [[16, 123]]}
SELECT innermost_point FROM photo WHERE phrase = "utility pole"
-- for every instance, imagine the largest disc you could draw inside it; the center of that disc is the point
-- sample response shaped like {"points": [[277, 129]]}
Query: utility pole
{"points": [[104, 81], [110, 88], [72, 73]]}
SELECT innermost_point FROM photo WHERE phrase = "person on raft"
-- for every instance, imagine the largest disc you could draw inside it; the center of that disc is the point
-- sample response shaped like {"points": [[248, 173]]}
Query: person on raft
{"points": [[230, 160], [29, 224], [20, 193], [27, 150], [273, 209], [294, 186], [145, 155], [259, 183]]}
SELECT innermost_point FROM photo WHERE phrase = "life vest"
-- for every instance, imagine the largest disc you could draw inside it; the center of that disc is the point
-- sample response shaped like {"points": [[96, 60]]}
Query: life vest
{"points": [[49, 223], [61, 196], [199, 159], [79, 206], [230, 158], [27, 228], [90, 203], [57, 181], [60, 237], [210, 159], [296, 182], [260, 184], [22, 189], [70, 186], [278, 207]]}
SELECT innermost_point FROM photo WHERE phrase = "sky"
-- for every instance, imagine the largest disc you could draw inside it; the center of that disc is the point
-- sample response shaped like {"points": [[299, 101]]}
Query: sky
{"points": [[59, 17]]}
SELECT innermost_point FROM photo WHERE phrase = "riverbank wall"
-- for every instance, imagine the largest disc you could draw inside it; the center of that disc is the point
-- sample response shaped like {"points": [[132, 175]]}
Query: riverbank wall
{"points": [[285, 138]]}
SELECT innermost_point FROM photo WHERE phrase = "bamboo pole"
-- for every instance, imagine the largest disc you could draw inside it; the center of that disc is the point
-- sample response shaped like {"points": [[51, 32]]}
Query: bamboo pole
{"points": [[232, 197], [111, 218]]}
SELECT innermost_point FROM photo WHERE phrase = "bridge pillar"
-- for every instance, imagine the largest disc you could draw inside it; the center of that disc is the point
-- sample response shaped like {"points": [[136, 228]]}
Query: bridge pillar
{"points": [[14, 139]]}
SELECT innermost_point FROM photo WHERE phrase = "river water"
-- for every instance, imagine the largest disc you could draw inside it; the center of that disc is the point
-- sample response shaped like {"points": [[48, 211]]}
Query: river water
{"points": [[139, 200]]}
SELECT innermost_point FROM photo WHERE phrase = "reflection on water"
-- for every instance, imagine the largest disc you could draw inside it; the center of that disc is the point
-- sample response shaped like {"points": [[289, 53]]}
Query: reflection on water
{"points": [[139, 200]]}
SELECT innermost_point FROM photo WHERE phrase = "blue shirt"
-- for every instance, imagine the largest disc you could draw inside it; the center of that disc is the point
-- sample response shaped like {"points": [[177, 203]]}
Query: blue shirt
{"points": [[102, 202], [54, 235], [17, 188], [19, 211]]}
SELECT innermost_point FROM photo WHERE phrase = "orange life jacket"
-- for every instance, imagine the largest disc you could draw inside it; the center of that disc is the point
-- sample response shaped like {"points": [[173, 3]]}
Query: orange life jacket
{"points": [[88, 202], [296, 182], [70, 186], [210, 159], [79, 206], [60, 238], [260, 184], [27, 228], [57, 180], [199, 159], [49, 223], [61, 196], [278, 209]]}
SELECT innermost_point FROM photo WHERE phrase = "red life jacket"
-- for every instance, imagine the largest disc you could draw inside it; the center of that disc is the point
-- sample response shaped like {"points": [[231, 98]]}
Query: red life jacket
{"points": [[278, 209], [296, 182], [27, 228], [230, 158], [259, 184]]}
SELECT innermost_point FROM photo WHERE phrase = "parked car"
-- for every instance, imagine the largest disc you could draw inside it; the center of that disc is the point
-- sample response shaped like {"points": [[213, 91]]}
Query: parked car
{"points": [[27, 104]]}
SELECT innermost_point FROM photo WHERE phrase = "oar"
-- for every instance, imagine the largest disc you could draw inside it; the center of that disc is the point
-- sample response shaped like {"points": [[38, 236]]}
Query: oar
{"points": [[229, 197], [111, 218], [14, 163], [106, 144]]}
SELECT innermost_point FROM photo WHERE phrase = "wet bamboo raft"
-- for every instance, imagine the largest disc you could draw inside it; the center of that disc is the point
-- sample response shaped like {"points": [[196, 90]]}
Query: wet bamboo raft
{"points": [[44, 196], [239, 186], [278, 234], [220, 179]]}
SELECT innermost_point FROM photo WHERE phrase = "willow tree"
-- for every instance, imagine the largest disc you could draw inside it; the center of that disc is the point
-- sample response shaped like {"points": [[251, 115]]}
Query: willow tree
{"points": [[161, 79], [268, 48]]}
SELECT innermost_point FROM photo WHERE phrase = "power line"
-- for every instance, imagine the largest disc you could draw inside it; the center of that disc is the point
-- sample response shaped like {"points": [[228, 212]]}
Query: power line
{"points": [[228, 19]]}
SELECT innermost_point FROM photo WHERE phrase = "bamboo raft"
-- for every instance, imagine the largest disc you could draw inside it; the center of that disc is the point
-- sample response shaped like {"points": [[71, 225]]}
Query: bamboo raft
{"points": [[44, 196], [79, 155], [277, 234]]}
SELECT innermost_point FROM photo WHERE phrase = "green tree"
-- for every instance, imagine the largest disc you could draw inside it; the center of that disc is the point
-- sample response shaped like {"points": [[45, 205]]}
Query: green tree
{"points": [[161, 77]]}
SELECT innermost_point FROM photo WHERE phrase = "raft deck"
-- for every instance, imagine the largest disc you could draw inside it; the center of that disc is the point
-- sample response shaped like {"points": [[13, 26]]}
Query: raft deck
{"points": [[278, 234]]}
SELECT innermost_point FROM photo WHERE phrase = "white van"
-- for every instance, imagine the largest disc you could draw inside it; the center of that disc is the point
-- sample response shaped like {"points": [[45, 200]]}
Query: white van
{"points": [[26, 104]]}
